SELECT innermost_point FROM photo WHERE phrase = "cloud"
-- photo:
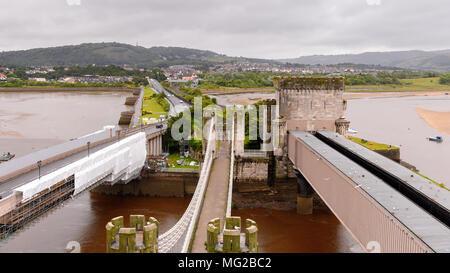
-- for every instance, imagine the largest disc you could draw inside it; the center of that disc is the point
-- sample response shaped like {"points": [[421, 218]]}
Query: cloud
{"points": [[253, 28], [73, 2], [373, 2]]}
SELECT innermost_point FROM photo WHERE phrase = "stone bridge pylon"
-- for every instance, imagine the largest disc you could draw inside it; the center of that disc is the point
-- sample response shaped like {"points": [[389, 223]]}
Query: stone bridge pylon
{"points": [[307, 104]]}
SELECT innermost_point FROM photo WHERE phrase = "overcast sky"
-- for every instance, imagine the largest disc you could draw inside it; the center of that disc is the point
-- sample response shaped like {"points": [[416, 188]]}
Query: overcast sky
{"points": [[250, 28]]}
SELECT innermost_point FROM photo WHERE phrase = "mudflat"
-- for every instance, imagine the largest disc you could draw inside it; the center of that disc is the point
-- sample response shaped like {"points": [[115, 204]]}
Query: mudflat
{"points": [[362, 95], [437, 120]]}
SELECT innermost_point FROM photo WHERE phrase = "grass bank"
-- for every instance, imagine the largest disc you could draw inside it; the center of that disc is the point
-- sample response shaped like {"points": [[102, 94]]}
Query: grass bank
{"points": [[152, 105], [442, 185], [374, 146], [378, 147], [173, 158]]}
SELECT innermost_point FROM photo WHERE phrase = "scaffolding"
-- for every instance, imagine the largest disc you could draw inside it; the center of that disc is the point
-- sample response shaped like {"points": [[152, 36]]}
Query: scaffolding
{"points": [[33, 208]]}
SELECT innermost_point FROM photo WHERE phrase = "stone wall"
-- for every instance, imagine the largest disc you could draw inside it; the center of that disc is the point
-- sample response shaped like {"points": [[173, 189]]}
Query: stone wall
{"points": [[283, 196], [393, 154], [258, 195], [155, 185], [248, 170], [284, 168]]}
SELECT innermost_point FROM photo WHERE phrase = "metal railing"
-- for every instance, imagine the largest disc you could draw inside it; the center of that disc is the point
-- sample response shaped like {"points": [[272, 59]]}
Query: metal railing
{"points": [[230, 185]]}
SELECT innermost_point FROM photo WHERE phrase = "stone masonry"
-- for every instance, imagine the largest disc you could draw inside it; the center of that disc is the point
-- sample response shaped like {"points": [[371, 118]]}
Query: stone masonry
{"points": [[230, 239], [250, 170], [307, 104], [140, 237]]}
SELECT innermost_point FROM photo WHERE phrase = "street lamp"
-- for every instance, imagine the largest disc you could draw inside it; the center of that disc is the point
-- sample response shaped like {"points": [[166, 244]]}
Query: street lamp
{"points": [[89, 148], [39, 163]]}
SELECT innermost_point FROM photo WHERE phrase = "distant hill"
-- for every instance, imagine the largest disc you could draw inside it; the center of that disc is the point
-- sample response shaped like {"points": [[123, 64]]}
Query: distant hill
{"points": [[124, 54], [111, 54], [414, 59]]}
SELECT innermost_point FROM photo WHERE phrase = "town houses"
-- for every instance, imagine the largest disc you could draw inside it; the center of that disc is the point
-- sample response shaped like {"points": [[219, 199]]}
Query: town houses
{"points": [[95, 79], [37, 79], [179, 73], [40, 70], [3, 77]]}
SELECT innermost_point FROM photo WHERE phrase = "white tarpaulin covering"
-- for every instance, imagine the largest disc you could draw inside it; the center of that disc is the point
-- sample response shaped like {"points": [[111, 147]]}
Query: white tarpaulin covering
{"points": [[123, 158]]}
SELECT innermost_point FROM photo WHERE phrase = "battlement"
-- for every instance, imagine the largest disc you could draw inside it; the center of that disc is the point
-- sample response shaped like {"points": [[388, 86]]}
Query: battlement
{"points": [[309, 83], [310, 103], [140, 237], [231, 239]]}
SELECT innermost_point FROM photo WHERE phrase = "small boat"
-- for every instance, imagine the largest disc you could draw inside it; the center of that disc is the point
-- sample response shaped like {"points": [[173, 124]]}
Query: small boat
{"points": [[436, 139], [7, 157], [352, 131]]}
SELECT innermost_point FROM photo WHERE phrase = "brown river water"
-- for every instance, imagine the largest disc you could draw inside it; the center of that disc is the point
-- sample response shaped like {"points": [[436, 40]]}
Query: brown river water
{"points": [[32, 121], [83, 219]]}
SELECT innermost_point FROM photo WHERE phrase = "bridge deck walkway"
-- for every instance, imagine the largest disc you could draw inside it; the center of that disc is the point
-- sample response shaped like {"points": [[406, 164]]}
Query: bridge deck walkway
{"points": [[215, 203], [6, 187]]}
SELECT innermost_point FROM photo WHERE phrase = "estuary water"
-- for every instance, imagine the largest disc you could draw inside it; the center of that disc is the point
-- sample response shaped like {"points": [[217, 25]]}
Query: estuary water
{"points": [[31, 121], [394, 121]]}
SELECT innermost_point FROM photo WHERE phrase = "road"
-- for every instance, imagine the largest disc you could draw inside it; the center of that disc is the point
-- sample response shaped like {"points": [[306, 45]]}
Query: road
{"points": [[176, 104], [19, 163]]}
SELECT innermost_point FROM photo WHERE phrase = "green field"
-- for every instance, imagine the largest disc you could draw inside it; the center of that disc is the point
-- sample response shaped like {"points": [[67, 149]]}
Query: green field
{"points": [[151, 108], [173, 158], [233, 90], [374, 146], [421, 84], [407, 85]]}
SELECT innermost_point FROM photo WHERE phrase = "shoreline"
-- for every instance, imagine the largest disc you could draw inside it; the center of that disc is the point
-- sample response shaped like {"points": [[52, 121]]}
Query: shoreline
{"points": [[252, 97], [67, 89], [233, 91], [362, 95]]}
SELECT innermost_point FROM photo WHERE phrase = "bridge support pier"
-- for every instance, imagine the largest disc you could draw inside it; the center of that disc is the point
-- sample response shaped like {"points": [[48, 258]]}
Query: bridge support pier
{"points": [[154, 145], [304, 195]]}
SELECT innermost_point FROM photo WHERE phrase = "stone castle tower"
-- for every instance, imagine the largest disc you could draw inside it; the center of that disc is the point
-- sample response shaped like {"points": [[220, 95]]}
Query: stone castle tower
{"points": [[308, 104]]}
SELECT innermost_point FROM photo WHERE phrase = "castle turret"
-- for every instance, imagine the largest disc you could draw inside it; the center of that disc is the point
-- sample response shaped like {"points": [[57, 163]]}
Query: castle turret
{"points": [[140, 237], [231, 239]]}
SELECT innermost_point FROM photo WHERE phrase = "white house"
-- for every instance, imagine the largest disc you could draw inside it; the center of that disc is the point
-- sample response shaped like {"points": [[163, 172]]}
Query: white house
{"points": [[38, 79]]}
